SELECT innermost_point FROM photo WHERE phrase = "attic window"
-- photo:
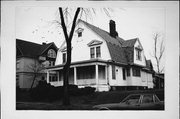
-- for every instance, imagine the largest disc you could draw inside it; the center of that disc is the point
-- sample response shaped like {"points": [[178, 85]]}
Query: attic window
{"points": [[138, 47], [79, 32], [51, 53], [138, 54]]}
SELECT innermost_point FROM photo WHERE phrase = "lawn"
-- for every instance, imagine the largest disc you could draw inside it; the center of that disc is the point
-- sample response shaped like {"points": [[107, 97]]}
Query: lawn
{"points": [[84, 102]]}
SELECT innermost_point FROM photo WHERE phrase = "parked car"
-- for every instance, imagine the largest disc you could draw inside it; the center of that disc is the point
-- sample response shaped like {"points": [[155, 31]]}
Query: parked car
{"points": [[134, 102]]}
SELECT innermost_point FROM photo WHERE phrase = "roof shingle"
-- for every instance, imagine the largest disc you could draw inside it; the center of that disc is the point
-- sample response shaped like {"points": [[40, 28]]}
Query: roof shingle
{"points": [[30, 49]]}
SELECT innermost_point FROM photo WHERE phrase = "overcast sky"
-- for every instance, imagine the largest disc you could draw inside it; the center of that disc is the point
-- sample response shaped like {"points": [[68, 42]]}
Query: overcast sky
{"points": [[35, 24]]}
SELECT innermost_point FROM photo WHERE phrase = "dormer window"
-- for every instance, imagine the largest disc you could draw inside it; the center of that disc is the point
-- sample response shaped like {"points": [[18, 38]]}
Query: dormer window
{"points": [[51, 53], [138, 53]]}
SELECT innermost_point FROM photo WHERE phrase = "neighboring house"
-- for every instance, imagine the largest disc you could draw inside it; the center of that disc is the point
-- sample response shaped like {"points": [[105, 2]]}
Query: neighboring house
{"points": [[31, 58], [103, 60], [158, 80]]}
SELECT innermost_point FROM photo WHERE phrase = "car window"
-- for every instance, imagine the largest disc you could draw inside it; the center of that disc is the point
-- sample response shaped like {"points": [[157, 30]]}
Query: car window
{"points": [[156, 99], [147, 99], [133, 99]]}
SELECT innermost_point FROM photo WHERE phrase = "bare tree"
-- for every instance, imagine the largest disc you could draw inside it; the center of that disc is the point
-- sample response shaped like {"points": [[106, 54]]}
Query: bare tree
{"points": [[68, 38], [36, 68], [158, 51]]}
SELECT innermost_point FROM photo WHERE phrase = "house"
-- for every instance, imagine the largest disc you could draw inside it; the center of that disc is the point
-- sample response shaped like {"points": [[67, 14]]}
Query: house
{"points": [[103, 60], [31, 58]]}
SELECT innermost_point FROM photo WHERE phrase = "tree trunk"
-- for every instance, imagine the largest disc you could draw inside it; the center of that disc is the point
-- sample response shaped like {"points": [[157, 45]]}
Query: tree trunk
{"points": [[66, 68]]}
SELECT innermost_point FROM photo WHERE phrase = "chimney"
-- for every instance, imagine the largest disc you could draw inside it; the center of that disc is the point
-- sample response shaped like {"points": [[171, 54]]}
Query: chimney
{"points": [[112, 29], [43, 43]]}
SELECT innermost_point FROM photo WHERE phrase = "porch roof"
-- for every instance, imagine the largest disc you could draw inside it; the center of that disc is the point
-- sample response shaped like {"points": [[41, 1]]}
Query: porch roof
{"points": [[88, 61]]}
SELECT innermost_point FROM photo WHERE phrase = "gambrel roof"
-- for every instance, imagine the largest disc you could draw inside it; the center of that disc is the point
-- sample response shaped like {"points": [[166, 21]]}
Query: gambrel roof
{"points": [[121, 50], [30, 49]]}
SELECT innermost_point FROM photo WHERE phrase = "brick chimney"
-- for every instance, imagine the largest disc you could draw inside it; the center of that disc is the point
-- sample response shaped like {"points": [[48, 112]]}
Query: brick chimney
{"points": [[112, 29]]}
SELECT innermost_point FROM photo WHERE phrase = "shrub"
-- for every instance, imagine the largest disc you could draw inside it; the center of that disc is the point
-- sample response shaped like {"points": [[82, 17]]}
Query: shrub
{"points": [[45, 91]]}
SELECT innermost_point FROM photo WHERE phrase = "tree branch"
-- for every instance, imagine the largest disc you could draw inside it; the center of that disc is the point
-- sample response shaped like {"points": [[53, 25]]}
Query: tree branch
{"points": [[74, 23], [63, 24]]}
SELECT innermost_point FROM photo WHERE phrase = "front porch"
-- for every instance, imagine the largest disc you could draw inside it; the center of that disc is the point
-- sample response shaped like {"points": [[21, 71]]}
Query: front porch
{"points": [[93, 75]]}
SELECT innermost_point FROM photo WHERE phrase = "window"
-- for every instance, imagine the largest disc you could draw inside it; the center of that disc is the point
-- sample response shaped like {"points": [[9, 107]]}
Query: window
{"points": [[95, 53], [124, 74], [79, 34], [51, 63], [156, 99], [128, 71], [132, 99], [92, 52], [51, 53], [136, 72], [98, 52], [64, 58], [52, 78], [17, 80], [113, 72], [86, 72], [138, 54], [147, 99], [17, 65]]}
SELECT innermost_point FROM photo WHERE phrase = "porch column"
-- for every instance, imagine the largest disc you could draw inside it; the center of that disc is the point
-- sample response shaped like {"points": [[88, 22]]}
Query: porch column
{"points": [[97, 82], [47, 76], [106, 74], [75, 76]]}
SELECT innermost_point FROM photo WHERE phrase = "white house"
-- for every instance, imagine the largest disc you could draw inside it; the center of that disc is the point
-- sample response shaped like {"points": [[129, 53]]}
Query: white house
{"points": [[103, 60]]}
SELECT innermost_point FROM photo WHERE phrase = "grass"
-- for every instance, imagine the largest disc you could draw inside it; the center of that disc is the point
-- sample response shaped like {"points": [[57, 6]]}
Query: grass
{"points": [[79, 102]]}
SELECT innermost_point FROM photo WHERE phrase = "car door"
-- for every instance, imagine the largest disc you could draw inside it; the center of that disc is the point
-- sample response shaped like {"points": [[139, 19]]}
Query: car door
{"points": [[132, 102], [147, 102]]}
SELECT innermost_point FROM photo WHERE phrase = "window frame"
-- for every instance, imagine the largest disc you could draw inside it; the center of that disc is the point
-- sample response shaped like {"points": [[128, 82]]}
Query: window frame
{"points": [[79, 34], [51, 53], [136, 72], [64, 58], [128, 72], [138, 54], [97, 52], [113, 72], [124, 73], [92, 52]]}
